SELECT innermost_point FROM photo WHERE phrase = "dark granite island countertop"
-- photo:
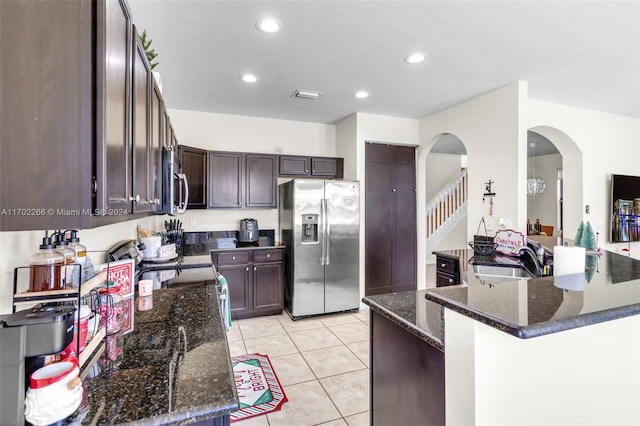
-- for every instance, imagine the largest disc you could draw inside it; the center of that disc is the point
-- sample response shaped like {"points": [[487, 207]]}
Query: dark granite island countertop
{"points": [[608, 290], [412, 312], [174, 367]]}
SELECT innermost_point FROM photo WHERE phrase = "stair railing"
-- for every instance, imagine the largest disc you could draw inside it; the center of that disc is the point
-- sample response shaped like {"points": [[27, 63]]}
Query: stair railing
{"points": [[447, 204]]}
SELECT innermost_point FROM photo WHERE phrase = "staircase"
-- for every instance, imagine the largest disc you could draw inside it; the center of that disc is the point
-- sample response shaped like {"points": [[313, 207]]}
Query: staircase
{"points": [[447, 209]]}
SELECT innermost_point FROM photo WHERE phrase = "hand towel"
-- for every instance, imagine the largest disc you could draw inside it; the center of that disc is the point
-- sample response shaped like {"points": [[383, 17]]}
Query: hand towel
{"points": [[225, 302]]}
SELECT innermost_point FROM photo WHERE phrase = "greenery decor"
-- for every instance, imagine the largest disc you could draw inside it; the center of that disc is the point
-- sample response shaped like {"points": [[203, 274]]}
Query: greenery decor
{"points": [[151, 53]]}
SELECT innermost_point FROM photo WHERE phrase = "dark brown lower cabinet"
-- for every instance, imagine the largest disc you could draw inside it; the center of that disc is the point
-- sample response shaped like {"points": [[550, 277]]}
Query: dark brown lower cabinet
{"points": [[256, 280], [447, 271], [407, 377], [390, 227]]}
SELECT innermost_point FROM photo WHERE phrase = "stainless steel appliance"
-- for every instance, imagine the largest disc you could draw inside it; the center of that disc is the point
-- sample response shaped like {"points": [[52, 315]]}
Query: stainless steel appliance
{"points": [[24, 337], [320, 227], [249, 232], [176, 187], [127, 249]]}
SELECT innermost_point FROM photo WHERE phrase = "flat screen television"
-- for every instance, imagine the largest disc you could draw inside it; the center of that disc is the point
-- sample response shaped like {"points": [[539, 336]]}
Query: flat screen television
{"points": [[625, 208]]}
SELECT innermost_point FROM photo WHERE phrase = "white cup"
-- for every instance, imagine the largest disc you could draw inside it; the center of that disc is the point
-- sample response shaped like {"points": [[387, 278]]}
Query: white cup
{"points": [[145, 287], [151, 247]]}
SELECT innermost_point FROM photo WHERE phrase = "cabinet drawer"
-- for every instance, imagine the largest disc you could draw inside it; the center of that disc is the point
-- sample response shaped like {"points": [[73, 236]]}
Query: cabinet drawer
{"points": [[446, 265], [262, 256], [233, 257], [445, 280]]}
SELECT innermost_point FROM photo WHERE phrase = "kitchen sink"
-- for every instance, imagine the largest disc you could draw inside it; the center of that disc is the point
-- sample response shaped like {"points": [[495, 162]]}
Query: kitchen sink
{"points": [[496, 273]]}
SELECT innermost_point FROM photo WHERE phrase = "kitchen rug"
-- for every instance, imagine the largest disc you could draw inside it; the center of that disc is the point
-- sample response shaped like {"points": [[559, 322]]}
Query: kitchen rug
{"points": [[259, 389]]}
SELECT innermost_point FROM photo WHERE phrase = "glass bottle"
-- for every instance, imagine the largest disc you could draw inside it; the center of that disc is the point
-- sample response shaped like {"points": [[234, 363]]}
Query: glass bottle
{"points": [[69, 254], [46, 267], [111, 308]]}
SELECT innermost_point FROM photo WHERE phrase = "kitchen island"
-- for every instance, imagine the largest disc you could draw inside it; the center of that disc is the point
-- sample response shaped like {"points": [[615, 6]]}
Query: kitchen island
{"points": [[173, 368], [527, 351]]}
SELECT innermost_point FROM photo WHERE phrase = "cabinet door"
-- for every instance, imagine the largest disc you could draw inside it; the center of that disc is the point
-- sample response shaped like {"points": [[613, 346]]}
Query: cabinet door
{"points": [[267, 286], [141, 143], [327, 167], [113, 106], [193, 162], [157, 137], [238, 279], [226, 180], [261, 179], [293, 165], [46, 115]]}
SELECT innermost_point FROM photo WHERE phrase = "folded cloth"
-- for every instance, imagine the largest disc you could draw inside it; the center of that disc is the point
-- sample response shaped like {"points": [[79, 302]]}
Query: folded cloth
{"points": [[225, 302]]}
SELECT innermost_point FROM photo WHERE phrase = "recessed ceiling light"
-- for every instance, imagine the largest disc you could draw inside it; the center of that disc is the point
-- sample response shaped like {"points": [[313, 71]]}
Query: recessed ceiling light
{"points": [[269, 25], [361, 94], [415, 58], [248, 78]]}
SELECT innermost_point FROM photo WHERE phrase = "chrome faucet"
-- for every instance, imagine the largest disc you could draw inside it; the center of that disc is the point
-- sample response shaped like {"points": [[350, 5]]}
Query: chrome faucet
{"points": [[538, 258]]}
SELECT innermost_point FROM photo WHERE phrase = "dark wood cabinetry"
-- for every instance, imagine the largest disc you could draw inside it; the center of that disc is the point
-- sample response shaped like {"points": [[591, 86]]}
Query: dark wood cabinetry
{"points": [[255, 278], [239, 180], [447, 271], [157, 142], [140, 119], [390, 244], [193, 162], [407, 377], [296, 166], [80, 140]]}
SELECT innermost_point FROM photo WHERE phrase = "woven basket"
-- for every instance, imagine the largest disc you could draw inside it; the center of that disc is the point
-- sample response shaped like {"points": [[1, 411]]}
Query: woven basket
{"points": [[483, 245]]}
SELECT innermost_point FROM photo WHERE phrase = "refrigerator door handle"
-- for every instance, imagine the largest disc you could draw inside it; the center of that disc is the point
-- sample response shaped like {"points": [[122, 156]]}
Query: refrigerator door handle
{"points": [[328, 234], [324, 234]]}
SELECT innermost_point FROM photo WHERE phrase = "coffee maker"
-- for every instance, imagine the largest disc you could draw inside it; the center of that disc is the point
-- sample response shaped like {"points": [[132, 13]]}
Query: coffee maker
{"points": [[25, 338]]}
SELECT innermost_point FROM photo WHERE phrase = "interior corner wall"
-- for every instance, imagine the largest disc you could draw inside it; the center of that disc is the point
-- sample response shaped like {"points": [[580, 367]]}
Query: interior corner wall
{"points": [[347, 146], [490, 126], [609, 144]]}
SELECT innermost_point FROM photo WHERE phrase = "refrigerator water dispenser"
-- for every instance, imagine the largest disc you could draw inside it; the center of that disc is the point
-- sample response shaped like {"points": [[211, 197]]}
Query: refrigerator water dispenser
{"points": [[309, 229]]}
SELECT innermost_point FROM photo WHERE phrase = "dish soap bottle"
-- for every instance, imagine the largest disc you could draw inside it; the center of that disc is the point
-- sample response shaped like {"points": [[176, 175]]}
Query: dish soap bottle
{"points": [[69, 254], [46, 267]]}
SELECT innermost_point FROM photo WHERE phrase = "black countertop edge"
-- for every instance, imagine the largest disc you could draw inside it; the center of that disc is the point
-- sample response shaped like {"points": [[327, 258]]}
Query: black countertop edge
{"points": [[539, 329], [187, 417], [412, 328], [447, 254], [276, 245]]}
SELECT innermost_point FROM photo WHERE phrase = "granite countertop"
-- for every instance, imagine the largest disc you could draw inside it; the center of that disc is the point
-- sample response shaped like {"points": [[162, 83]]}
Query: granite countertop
{"points": [[608, 290], [147, 377], [411, 311]]}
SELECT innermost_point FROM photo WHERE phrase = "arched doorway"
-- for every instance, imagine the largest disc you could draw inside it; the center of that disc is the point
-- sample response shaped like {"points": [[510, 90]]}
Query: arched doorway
{"points": [[544, 163], [445, 185]]}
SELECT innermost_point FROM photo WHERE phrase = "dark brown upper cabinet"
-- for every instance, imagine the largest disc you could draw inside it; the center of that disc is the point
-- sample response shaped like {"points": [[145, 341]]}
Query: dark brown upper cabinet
{"points": [[66, 74], [141, 192], [193, 163], [157, 142], [240, 180], [301, 166]]}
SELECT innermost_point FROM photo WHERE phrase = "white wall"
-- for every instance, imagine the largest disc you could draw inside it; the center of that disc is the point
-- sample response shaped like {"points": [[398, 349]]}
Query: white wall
{"points": [[491, 128], [608, 144]]}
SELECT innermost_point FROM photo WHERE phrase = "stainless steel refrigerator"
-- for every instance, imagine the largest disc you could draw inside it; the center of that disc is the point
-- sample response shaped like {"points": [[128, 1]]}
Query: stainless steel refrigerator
{"points": [[320, 227]]}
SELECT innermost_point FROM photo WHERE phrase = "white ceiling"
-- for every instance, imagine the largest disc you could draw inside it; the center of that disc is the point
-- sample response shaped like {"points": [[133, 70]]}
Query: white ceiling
{"points": [[580, 53]]}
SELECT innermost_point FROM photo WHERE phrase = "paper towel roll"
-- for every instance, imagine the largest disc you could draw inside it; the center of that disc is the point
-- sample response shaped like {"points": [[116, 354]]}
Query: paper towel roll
{"points": [[568, 260]]}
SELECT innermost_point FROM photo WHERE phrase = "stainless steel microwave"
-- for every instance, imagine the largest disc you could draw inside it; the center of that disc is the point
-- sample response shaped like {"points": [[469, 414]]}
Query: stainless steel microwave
{"points": [[176, 187]]}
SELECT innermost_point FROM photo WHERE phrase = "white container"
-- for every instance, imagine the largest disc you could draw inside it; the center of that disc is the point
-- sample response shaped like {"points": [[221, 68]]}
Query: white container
{"points": [[151, 247], [145, 288]]}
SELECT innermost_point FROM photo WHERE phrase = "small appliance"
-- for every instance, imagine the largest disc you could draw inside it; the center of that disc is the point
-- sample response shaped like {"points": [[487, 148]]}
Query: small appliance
{"points": [[176, 187], [25, 337], [127, 249], [248, 231]]}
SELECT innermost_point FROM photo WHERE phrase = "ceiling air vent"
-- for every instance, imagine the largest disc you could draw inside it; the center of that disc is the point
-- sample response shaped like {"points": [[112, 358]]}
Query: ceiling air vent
{"points": [[306, 94]]}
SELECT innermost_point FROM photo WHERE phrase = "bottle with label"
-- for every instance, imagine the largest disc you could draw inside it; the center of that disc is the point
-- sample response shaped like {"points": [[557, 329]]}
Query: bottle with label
{"points": [[69, 254], [79, 274], [45, 272]]}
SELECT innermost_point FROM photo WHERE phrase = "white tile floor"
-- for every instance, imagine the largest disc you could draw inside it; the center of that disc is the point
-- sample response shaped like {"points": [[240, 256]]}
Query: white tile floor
{"points": [[322, 363]]}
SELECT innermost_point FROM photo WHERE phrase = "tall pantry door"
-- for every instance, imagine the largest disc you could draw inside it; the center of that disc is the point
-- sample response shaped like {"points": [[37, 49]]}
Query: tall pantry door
{"points": [[390, 219]]}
